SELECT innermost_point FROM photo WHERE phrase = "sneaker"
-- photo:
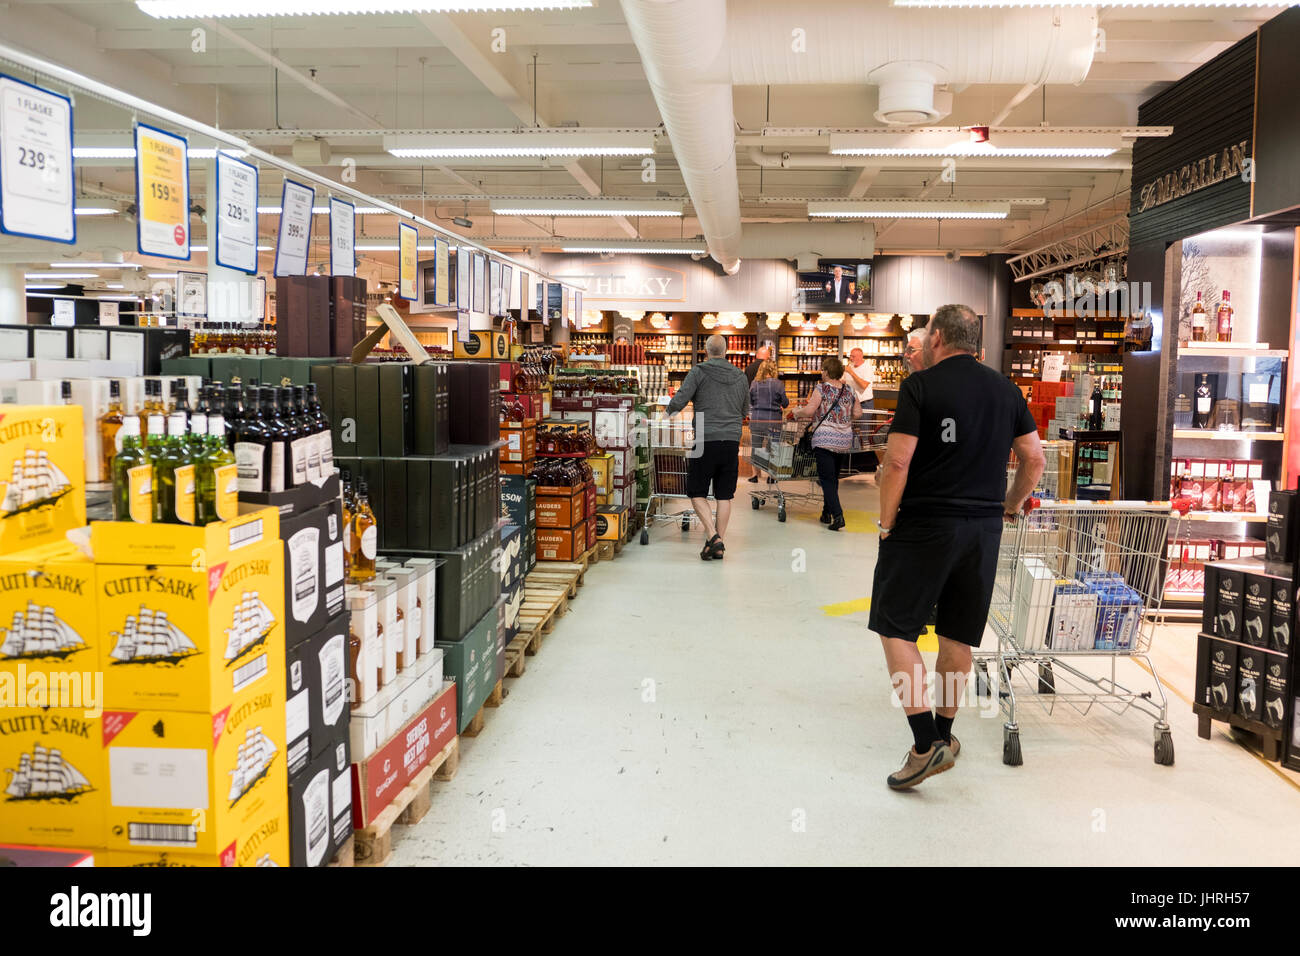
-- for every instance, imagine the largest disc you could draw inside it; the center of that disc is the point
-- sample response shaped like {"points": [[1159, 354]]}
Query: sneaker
{"points": [[916, 767], [954, 745]]}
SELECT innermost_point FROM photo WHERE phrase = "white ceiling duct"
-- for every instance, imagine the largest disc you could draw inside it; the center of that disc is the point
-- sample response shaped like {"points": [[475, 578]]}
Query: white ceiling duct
{"points": [[805, 240], [907, 52], [683, 47]]}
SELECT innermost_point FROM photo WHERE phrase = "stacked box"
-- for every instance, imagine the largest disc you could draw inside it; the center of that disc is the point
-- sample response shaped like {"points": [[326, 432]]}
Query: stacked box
{"points": [[467, 586], [472, 663], [43, 474], [561, 522], [347, 314], [519, 502], [302, 315]]}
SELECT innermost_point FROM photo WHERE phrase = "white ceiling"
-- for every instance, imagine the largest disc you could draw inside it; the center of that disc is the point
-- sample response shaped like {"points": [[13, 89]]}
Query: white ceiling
{"points": [[362, 75]]}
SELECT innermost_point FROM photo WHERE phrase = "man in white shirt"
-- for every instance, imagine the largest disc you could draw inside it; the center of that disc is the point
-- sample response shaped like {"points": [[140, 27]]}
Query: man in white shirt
{"points": [[859, 377]]}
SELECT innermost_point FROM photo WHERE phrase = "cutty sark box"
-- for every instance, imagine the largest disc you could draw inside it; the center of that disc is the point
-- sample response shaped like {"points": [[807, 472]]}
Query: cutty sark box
{"points": [[42, 474]]}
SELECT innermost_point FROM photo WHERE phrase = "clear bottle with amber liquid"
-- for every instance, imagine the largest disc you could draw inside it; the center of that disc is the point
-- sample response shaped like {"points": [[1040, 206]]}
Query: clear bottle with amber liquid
{"points": [[1200, 321], [110, 425], [346, 477], [365, 535], [1223, 318]]}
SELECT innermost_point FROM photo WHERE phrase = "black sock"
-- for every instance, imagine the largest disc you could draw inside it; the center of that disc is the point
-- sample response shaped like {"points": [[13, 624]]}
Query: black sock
{"points": [[923, 730], [944, 726]]}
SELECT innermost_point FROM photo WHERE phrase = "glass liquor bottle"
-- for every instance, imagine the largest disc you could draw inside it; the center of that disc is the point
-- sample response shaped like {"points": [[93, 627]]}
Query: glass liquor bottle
{"points": [[1200, 320], [252, 444], [324, 437], [295, 458], [277, 440], [152, 406], [347, 524], [365, 535], [1223, 318], [216, 474], [109, 425], [166, 455], [198, 434], [1204, 402], [132, 477]]}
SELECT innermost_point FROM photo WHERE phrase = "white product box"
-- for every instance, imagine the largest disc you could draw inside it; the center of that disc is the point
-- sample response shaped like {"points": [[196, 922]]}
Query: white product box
{"points": [[49, 343], [610, 426], [401, 709], [426, 589], [92, 395], [364, 608], [412, 619], [429, 676], [40, 392], [90, 343], [14, 344], [1074, 617], [1033, 603], [77, 368], [385, 591], [368, 725]]}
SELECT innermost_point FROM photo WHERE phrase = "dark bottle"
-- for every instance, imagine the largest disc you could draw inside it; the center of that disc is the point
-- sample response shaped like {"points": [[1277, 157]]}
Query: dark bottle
{"points": [[1095, 417], [1204, 402], [306, 451], [295, 465], [277, 435], [252, 445], [324, 438]]}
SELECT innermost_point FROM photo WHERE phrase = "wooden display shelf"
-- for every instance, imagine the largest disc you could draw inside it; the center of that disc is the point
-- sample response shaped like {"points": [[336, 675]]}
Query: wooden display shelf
{"points": [[1270, 737]]}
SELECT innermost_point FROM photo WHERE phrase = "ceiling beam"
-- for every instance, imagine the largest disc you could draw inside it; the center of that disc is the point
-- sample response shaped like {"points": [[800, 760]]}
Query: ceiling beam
{"points": [[862, 181], [505, 80]]}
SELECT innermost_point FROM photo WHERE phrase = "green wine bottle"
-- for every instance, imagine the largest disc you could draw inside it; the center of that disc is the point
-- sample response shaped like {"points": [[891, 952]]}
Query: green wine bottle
{"points": [[132, 477]]}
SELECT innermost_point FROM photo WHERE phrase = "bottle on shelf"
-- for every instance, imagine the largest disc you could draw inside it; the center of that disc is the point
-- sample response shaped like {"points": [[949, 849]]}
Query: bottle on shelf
{"points": [[216, 474], [1095, 416], [1199, 320], [1223, 318], [110, 425], [252, 444], [346, 477], [173, 475], [365, 535], [1204, 402], [132, 475], [323, 438]]}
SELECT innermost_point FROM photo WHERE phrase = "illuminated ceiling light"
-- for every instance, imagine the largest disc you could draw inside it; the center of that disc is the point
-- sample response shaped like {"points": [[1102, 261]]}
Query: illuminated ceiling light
{"points": [[114, 285], [172, 9], [128, 152], [740, 320], [858, 322], [658, 320], [586, 207], [61, 275], [831, 318], [74, 264], [117, 298], [774, 320], [373, 247], [41, 287], [978, 142], [543, 141], [647, 248], [709, 322], [964, 4], [205, 248], [95, 211], [909, 209]]}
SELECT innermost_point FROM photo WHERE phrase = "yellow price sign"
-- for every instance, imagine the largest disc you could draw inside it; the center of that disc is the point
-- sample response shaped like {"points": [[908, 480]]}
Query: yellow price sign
{"points": [[162, 183], [406, 285]]}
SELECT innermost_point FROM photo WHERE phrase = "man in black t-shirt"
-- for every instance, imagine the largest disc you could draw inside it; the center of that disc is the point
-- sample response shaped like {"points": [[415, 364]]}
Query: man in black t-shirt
{"points": [[943, 498]]}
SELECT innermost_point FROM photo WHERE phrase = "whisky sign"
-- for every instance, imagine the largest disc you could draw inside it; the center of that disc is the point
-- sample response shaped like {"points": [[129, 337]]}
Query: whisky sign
{"points": [[1227, 163]]}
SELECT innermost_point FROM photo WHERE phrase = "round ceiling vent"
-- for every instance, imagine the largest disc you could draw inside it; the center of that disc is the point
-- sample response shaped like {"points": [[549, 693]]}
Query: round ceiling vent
{"points": [[906, 95]]}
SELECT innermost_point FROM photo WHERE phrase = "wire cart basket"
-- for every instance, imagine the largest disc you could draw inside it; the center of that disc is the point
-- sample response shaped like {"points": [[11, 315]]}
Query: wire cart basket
{"points": [[672, 445], [777, 458], [1078, 583]]}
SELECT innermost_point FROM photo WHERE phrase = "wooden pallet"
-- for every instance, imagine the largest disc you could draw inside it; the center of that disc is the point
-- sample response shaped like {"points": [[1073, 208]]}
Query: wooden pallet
{"points": [[344, 855], [525, 644], [557, 575], [494, 699], [541, 607], [605, 549], [373, 845]]}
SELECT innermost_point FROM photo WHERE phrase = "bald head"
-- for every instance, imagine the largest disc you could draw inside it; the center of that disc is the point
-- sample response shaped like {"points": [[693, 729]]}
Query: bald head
{"points": [[715, 346]]}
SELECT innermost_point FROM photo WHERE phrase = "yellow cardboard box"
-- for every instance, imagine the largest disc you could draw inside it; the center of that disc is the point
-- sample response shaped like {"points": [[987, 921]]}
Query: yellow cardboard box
{"points": [[198, 783], [42, 474], [47, 614], [177, 638], [483, 345], [265, 843], [56, 780], [602, 467], [125, 542]]}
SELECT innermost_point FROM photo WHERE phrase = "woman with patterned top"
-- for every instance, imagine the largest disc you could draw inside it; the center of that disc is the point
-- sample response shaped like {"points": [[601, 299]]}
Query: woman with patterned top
{"points": [[832, 407]]}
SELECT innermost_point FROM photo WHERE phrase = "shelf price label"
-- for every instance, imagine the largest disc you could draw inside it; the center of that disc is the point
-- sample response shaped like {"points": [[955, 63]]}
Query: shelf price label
{"points": [[36, 189], [295, 229], [162, 193], [236, 246], [406, 236], [343, 238]]}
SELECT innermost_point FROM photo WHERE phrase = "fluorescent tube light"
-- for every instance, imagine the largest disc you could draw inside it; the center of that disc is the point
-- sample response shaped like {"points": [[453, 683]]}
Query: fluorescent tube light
{"points": [[649, 248], [586, 207], [42, 287], [1084, 3], [171, 9], [93, 211], [61, 275], [128, 152], [1046, 144], [547, 141], [73, 264], [909, 209]]}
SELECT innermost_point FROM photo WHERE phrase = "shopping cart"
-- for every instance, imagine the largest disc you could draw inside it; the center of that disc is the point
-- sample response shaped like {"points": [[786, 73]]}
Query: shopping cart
{"points": [[1078, 585], [672, 445], [1055, 480], [778, 457]]}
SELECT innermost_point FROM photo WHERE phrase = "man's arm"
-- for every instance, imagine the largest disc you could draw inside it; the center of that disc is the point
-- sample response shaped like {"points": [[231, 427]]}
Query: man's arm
{"points": [[683, 394], [1029, 455], [893, 479], [862, 382]]}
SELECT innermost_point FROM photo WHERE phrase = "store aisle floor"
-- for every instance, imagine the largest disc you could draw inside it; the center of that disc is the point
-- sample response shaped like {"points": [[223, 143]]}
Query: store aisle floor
{"points": [[686, 712]]}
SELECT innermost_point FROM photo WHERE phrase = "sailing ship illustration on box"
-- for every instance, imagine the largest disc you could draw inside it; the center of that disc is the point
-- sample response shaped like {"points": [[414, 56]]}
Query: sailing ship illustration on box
{"points": [[151, 639], [265, 860], [45, 775], [255, 756], [39, 633], [252, 625], [35, 483]]}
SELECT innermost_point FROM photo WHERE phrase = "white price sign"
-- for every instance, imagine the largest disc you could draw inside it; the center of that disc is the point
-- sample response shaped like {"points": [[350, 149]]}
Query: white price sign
{"points": [[343, 256], [36, 190], [1053, 365], [64, 312], [295, 229], [236, 214]]}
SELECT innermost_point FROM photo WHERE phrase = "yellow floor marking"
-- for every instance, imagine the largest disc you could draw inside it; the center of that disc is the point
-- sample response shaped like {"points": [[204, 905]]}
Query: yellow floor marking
{"points": [[928, 641]]}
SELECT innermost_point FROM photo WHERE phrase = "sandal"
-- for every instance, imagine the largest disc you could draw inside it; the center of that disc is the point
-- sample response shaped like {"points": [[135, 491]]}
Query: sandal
{"points": [[715, 547]]}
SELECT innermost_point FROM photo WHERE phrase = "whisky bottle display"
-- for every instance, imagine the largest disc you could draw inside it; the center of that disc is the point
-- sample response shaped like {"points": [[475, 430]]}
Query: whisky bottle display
{"points": [[109, 425], [365, 535], [216, 475], [297, 439], [1204, 402], [1223, 318], [153, 406], [277, 441], [132, 477], [323, 454], [1200, 320], [252, 445]]}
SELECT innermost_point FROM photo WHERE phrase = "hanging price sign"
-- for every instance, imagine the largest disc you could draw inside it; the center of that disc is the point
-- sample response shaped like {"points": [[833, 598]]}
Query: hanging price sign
{"points": [[343, 238], [36, 190], [295, 229], [162, 193], [406, 237], [236, 246]]}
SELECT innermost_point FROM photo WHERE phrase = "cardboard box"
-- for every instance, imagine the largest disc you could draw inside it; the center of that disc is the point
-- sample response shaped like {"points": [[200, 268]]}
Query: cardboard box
{"points": [[1276, 670], [368, 724], [430, 407], [558, 544], [396, 437], [1281, 617], [555, 511], [1283, 521], [611, 523], [320, 807], [319, 679], [347, 314], [467, 586], [147, 348], [48, 623], [1257, 600], [520, 444], [66, 747], [195, 782], [43, 473], [1231, 582], [425, 583], [378, 778], [508, 557], [1216, 674], [474, 414], [602, 467], [264, 843], [471, 663], [369, 410], [483, 345], [184, 639], [365, 647], [302, 315], [123, 542], [313, 569], [1250, 682], [392, 635]]}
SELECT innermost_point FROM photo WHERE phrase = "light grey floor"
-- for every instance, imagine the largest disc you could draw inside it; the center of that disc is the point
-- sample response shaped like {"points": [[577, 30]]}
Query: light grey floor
{"points": [[714, 713]]}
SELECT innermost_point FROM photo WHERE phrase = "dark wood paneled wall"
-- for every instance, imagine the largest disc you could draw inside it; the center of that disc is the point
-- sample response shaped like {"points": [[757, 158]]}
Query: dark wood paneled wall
{"points": [[1277, 116]]}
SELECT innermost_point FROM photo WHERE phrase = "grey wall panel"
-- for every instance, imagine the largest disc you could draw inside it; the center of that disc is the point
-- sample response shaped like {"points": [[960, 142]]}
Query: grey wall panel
{"points": [[920, 284]]}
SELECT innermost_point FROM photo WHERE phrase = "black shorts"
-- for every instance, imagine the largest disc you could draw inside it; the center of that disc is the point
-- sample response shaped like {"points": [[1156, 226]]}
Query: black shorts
{"points": [[939, 564], [719, 464]]}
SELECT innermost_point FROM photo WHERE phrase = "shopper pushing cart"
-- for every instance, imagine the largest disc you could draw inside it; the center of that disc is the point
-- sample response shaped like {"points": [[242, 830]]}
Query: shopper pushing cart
{"points": [[943, 498]]}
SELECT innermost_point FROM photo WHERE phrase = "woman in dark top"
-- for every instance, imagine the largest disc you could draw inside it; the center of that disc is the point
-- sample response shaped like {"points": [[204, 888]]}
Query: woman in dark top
{"points": [[766, 400]]}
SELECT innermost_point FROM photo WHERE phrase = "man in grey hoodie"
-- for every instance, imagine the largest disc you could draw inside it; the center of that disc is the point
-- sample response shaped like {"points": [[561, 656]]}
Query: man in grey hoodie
{"points": [[720, 393]]}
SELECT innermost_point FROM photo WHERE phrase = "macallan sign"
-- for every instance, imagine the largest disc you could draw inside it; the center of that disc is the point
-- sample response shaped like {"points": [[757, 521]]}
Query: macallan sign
{"points": [[1215, 168]]}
